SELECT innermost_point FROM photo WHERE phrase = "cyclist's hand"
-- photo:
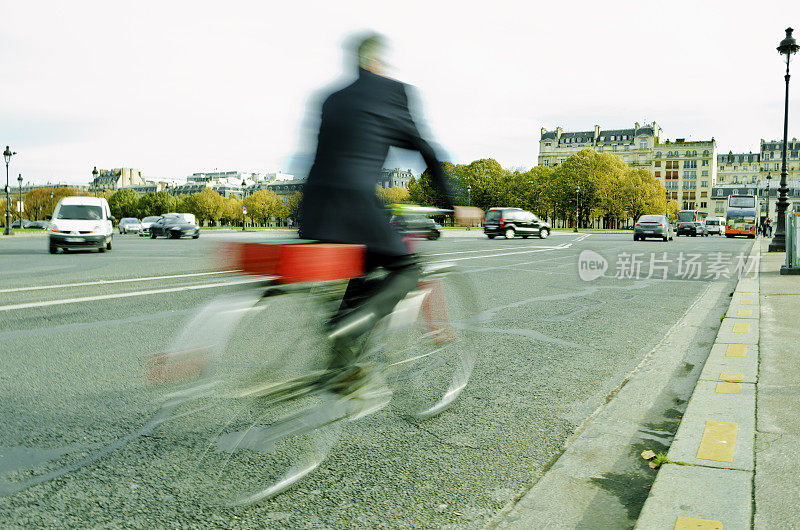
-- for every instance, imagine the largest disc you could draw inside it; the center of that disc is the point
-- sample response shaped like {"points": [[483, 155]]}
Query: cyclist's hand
{"points": [[467, 215]]}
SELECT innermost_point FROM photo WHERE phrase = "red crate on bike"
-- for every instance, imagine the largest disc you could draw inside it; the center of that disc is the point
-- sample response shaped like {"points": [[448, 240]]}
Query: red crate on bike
{"points": [[298, 262]]}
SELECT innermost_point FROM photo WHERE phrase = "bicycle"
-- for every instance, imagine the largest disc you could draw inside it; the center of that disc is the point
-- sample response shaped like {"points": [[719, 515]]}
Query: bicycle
{"points": [[265, 421]]}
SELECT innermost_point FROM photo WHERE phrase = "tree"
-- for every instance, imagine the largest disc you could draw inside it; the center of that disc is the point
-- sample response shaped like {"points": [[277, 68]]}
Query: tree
{"points": [[643, 194], [262, 205], [206, 205], [292, 203], [231, 211], [124, 203], [393, 195], [672, 210], [153, 203]]}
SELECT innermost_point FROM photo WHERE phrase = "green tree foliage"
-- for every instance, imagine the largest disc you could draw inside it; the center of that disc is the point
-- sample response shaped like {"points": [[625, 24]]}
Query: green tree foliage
{"points": [[672, 210], [124, 203], [393, 195], [206, 205], [264, 204], [154, 203]]}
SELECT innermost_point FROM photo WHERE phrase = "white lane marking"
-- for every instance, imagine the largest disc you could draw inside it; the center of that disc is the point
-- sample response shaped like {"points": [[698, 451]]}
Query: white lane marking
{"points": [[128, 294], [488, 250], [560, 247], [124, 280], [581, 238]]}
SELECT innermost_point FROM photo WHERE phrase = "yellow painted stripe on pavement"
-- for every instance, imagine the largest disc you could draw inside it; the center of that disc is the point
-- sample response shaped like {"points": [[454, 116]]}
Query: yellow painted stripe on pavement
{"points": [[687, 523], [746, 293], [718, 442], [744, 313], [736, 350], [725, 376], [741, 328], [746, 302], [728, 388]]}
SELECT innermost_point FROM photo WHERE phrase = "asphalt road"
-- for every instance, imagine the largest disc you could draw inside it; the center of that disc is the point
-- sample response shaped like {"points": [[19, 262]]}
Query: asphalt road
{"points": [[76, 328]]}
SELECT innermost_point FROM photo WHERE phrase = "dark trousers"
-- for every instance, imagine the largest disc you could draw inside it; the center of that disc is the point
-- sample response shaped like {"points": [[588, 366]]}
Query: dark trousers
{"points": [[379, 296], [376, 296]]}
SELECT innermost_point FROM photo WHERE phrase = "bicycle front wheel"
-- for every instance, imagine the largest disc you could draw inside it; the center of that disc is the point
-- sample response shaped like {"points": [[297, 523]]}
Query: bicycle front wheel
{"points": [[428, 343]]}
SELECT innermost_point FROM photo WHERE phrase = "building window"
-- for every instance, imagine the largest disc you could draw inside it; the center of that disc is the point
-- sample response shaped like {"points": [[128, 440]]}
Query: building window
{"points": [[599, 148], [658, 163], [705, 162], [627, 147], [722, 168], [614, 147], [691, 164], [658, 174], [777, 167], [658, 154], [703, 204], [704, 173], [643, 145], [704, 184]]}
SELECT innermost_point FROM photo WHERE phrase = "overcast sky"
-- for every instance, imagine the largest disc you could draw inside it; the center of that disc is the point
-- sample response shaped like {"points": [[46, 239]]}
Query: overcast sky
{"points": [[173, 88]]}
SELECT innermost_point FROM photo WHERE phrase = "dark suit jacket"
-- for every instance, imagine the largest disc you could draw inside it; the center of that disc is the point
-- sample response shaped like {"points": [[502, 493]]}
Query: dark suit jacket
{"points": [[359, 124]]}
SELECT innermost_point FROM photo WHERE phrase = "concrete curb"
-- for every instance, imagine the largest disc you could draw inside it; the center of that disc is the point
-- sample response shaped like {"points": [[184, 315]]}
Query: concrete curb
{"points": [[710, 483]]}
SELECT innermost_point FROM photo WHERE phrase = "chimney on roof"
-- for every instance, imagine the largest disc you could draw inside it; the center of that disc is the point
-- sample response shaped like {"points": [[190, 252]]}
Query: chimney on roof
{"points": [[596, 132]]}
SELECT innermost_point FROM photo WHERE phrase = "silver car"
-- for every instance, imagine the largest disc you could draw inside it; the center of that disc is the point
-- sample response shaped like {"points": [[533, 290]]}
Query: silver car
{"points": [[144, 227], [653, 226], [129, 224]]}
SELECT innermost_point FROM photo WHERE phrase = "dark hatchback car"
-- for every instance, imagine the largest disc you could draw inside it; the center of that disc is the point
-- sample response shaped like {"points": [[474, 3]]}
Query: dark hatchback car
{"points": [[173, 228], [653, 226], [417, 225], [512, 222]]}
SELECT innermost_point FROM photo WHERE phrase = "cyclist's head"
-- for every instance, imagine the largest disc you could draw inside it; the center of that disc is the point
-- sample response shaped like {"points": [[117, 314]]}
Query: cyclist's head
{"points": [[370, 51]]}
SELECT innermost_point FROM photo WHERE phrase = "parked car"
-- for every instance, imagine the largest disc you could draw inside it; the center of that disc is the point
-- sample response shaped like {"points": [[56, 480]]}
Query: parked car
{"points": [[715, 225], [81, 222], [144, 226], [171, 226], [692, 228], [129, 224], [512, 222], [39, 225], [417, 225], [653, 226], [25, 224]]}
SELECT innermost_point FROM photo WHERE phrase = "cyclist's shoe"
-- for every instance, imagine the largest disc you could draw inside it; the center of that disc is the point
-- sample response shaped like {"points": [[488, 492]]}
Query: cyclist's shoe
{"points": [[366, 392]]}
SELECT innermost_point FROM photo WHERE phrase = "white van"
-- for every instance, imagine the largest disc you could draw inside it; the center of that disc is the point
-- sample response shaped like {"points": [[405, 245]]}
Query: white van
{"points": [[81, 222], [715, 225]]}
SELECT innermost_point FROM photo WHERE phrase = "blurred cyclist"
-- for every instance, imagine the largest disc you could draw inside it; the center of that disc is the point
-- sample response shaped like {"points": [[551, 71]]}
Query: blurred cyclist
{"points": [[359, 124]]}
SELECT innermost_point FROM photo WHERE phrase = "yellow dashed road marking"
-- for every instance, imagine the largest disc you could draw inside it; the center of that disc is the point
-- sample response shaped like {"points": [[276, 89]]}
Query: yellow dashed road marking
{"points": [[744, 313], [718, 442], [725, 376], [736, 350], [687, 523], [741, 328], [746, 302], [746, 293], [728, 388]]}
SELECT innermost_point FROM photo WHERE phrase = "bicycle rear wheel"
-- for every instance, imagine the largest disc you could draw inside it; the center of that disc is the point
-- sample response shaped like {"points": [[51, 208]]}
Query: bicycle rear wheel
{"points": [[428, 343]]}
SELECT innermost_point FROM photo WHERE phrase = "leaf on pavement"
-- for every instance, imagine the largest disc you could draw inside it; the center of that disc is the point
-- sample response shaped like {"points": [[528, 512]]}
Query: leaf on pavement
{"points": [[648, 454]]}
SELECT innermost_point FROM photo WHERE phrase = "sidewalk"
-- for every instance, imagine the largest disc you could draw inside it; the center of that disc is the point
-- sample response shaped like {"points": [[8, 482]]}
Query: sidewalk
{"points": [[733, 452]]}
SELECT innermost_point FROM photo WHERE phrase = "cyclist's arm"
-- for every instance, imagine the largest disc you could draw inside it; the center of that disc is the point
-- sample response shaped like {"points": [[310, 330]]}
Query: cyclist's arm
{"points": [[407, 136]]}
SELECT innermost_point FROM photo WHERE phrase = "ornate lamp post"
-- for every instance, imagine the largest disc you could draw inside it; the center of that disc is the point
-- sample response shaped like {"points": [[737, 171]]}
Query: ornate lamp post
{"points": [[7, 154], [577, 192], [19, 204], [769, 179], [94, 180], [787, 47], [51, 201]]}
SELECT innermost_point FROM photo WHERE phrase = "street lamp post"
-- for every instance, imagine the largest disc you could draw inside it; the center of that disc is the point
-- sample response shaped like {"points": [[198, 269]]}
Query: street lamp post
{"points": [[244, 210], [469, 201], [787, 47], [7, 154], [19, 204], [51, 201], [577, 191], [769, 179], [94, 180]]}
